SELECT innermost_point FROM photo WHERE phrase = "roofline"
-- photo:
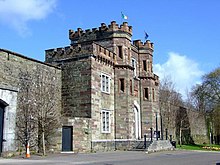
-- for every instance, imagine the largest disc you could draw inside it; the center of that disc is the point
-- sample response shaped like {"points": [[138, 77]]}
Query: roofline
{"points": [[28, 58]]}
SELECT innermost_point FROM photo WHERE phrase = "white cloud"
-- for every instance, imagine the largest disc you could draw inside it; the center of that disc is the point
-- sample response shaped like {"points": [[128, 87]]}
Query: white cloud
{"points": [[17, 13], [183, 71]]}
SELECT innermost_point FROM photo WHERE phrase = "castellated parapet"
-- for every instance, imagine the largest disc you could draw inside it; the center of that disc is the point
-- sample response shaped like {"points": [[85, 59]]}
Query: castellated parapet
{"points": [[146, 46], [100, 33], [80, 51]]}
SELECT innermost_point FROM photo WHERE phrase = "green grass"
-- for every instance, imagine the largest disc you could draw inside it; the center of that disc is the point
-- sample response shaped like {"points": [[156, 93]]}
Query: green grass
{"points": [[199, 147]]}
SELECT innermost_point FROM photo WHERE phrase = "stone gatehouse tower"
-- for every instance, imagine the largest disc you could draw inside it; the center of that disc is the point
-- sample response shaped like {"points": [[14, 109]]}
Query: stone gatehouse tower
{"points": [[109, 90]]}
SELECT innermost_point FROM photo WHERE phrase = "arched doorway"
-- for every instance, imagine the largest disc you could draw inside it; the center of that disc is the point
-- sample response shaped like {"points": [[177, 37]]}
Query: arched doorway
{"points": [[2, 107], [137, 118]]}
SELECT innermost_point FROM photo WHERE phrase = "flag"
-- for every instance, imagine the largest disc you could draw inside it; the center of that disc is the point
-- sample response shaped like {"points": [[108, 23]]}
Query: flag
{"points": [[124, 16], [146, 35]]}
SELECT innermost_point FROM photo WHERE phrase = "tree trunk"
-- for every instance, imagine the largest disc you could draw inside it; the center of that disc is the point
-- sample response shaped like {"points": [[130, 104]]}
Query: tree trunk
{"points": [[180, 137], [181, 123], [43, 141]]}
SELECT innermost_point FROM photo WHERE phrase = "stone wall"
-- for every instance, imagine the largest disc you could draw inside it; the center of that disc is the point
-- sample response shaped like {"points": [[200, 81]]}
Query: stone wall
{"points": [[160, 145], [39, 90], [102, 100], [111, 145], [198, 127], [76, 88]]}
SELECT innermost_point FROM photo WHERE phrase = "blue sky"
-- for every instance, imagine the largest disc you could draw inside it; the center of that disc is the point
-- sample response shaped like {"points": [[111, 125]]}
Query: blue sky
{"points": [[186, 33]]}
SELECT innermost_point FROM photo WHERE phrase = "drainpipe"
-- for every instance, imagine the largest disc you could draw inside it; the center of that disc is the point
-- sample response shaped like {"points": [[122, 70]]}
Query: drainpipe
{"points": [[161, 126], [140, 89], [115, 108], [156, 127]]}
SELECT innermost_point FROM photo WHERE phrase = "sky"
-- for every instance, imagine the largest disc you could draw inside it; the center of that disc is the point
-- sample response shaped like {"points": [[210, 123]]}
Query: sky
{"points": [[185, 33]]}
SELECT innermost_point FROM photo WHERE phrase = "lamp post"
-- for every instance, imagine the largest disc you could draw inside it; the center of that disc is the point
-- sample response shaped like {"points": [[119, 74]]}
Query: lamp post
{"points": [[151, 134], [161, 126], [166, 134], [156, 127]]}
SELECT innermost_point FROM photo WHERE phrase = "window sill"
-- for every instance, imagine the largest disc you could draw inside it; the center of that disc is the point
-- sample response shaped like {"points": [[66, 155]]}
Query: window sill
{"points": [[108, 93], [105, 132]]}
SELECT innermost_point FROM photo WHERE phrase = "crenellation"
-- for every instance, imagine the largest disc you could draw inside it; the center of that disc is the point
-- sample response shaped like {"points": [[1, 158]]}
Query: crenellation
{"points": [[99, 33], [124, 27], [80, 50], [113, 26], [103, 54], [94, 29], [149, 44], [137, 43], [88, 31], [103, 27], [146, 45]]}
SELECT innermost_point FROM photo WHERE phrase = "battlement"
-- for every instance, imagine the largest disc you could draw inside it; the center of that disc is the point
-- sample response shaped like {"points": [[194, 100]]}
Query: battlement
{"points": [[79, 51], [146, 45], [104, 31]]}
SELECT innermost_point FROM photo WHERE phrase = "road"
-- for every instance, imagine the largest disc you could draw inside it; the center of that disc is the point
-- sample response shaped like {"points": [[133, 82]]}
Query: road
{"points": [[121, 158]]}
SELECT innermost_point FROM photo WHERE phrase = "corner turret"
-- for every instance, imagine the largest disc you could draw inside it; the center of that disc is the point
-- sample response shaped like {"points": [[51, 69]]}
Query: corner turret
{"points": [[146, 45]]}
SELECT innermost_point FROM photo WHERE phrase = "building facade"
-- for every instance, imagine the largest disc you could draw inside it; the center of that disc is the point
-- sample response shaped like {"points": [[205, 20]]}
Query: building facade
{"points": [[102, 85], [109, 90]]}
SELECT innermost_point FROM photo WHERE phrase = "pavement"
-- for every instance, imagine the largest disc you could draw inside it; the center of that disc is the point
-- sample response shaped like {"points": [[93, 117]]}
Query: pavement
{"points": [[178, 157]]}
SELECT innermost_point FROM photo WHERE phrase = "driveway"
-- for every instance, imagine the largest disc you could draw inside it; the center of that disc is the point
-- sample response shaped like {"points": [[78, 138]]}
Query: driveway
{"points": [[122, 158]]}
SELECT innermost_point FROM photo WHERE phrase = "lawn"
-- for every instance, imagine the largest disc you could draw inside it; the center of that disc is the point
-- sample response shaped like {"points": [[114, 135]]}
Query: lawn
{"points": [[204, 147]]}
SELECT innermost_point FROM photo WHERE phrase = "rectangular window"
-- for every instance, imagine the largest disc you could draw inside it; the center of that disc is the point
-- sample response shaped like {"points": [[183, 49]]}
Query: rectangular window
{"points": [[144, 65], [146, 93], [120, 52], [105, 83], [151, 67], [122, 84], [153, 94], [131, 89], [148, 66], [134, 65], [105, 117]]}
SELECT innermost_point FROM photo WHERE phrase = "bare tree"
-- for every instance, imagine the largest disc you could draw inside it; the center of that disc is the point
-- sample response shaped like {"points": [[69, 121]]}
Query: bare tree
{"points": [[25, 124], [49, 114], [170, 100], [39, 113]]}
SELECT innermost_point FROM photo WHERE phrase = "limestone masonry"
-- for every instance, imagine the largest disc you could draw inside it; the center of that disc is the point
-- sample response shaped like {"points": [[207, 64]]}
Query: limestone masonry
{"points": [[106, 90]]}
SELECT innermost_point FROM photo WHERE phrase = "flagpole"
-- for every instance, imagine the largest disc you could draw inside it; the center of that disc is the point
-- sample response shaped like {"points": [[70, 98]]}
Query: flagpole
{"points": [[121, 18]]}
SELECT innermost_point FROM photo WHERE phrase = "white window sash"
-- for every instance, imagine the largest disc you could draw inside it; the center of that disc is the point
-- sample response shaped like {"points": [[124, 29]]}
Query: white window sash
{"points": [[134, 65], [105, 83], [105, 121]]}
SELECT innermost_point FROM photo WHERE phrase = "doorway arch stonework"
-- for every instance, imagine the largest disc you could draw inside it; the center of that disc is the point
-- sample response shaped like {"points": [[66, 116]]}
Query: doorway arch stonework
{"points": [[137, 118], [8, 104]]}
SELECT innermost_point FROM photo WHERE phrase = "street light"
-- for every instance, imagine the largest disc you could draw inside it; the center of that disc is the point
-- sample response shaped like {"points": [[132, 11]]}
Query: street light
{"points": [[156, 127]]}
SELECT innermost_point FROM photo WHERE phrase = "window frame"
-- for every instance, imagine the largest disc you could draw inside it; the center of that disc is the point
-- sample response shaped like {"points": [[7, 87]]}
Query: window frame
{"points": [[107, 83], [145, 65], [146, 93], [154, 94], [105, 124], [134, 66], [122, 85], [120, 51], [131, 87]]}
